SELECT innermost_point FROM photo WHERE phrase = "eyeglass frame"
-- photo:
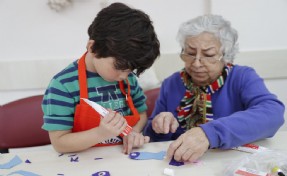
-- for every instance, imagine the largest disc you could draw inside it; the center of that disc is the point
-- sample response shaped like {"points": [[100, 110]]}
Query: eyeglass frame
{"points": [[200, 58]]}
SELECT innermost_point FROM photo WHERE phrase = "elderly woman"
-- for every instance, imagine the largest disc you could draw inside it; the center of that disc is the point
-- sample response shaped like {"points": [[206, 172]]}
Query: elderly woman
{"points": [[212, 103]]}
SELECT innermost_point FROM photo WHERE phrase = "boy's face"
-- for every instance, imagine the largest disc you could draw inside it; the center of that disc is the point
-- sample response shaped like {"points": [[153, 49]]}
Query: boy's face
{"points": [[105, 68]]}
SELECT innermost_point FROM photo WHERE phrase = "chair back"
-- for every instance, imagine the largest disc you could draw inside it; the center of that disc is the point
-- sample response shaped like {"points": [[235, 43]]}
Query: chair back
{"points": [[151, 96], [20, 124]]}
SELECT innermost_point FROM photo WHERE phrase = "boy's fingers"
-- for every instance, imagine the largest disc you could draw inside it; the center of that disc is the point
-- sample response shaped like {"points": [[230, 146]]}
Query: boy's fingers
{"points": [[125, 145]]}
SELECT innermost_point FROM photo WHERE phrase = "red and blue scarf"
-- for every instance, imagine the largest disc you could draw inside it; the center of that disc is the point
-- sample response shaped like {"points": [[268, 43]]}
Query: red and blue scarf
{"points": [[196, 107]]}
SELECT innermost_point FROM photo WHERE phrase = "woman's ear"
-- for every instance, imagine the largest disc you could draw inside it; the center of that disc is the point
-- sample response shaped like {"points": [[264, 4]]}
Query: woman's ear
{"points": [[90, 45]]}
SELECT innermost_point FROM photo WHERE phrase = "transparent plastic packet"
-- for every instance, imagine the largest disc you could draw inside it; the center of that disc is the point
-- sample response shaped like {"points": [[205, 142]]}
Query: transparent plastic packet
{"points": [[263, 163]]}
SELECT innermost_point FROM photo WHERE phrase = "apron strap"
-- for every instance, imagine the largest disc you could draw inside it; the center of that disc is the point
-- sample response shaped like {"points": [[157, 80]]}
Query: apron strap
{"points": [[83, 78], [128, 96], [84, 86]]}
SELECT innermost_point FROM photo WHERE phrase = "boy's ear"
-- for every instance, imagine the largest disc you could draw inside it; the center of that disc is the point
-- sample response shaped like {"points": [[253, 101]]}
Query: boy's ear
{"points": [[90, 45]]}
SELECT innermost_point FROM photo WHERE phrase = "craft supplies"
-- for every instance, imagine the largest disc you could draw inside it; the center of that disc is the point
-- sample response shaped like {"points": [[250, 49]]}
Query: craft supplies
{"points": [[250, 148], [147, 155], [276, 170], [168, 172]]}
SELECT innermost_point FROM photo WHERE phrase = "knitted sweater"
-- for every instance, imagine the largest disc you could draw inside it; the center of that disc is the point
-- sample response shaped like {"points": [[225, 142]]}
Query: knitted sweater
{"points": [[243, 110]]}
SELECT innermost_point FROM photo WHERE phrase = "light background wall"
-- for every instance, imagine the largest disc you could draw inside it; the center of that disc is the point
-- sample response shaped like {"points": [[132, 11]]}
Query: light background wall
{"points": [[37, 42], [31, 30]]}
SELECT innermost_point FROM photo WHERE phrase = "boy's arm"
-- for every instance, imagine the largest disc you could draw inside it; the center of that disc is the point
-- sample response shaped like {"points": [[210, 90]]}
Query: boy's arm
{"points": [[141, 123], [66, 141]]}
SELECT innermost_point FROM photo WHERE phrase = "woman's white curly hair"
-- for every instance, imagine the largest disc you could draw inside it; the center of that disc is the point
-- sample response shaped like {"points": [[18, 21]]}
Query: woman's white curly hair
{"points": [[216, 25]]}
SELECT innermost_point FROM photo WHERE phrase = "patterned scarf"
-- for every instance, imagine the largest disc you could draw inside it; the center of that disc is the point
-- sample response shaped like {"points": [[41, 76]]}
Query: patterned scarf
{"points": [[196, 108]]}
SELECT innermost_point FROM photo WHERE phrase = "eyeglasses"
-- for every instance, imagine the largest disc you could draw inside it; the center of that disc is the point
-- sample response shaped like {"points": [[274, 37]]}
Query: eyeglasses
{"points": [[191, 59]]}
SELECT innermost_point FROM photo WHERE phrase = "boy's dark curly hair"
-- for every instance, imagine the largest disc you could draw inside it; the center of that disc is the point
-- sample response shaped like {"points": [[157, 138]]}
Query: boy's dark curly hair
{"points": [[127, 35]]}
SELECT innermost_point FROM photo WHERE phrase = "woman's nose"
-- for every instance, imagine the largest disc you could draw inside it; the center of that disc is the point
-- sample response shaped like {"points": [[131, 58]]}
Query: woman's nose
{"points": [[197, 62]]}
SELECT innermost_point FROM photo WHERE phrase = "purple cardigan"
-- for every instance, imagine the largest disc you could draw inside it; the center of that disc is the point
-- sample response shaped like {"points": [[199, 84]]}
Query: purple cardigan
{"points": [[244, 110]]}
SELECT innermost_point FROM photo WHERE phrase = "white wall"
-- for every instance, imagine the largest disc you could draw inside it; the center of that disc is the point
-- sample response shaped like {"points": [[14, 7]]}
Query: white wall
{"points": [[37, 42], [262, 24], [31, 30]]}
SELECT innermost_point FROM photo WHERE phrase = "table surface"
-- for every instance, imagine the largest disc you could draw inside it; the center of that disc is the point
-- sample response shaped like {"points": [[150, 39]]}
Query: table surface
{"points": [[47, 162]]}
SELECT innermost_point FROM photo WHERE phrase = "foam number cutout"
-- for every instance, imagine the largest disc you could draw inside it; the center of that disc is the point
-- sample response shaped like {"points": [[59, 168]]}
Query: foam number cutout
{"points": [[102, 173], [147, 155]]}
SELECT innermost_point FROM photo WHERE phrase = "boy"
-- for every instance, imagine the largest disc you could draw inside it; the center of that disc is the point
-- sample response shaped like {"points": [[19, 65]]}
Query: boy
{"points": [[122, 40]]}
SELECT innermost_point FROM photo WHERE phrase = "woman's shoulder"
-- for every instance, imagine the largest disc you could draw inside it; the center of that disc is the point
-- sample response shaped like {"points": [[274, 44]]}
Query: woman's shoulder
{"points": [[174, 77], [242, 68], [242, 73], [173, 82]]}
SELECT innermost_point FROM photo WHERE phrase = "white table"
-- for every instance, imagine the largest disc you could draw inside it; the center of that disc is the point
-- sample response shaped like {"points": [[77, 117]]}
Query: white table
{"points": [[47, 162]]}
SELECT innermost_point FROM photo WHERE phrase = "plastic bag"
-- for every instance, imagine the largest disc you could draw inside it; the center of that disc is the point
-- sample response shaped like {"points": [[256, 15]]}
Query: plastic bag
{"points": [[264, 163]]}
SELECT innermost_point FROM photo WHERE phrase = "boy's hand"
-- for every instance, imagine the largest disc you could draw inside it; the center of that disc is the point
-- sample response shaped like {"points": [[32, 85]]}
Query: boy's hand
{"points": [[164, 123], [133, 140], [112, 125]]}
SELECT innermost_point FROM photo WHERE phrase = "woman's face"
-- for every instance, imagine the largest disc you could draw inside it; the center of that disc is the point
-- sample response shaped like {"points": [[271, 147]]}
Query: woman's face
{"points": [[203, 58]]}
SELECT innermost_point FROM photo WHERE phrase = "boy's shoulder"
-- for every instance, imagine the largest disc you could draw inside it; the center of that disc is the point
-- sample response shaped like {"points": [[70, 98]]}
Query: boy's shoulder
{"points": [[132, 79], [71, 69]]}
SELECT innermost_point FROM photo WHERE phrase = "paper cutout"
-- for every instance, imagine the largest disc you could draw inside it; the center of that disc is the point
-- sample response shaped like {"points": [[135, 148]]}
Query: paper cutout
{"points": [[102, 173], [98, 158], [173, 162], [74, 159], [147, 155], [28, 161], [13, 162], [72, 155], [24, 173]]}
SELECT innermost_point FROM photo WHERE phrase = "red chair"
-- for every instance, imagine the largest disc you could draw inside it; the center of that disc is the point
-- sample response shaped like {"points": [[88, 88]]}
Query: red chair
{"points": [[20, 124], [151, 95]]}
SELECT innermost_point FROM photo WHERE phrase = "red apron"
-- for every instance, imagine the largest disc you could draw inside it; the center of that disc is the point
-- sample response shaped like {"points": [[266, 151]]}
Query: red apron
{"points": [[86, 117]]}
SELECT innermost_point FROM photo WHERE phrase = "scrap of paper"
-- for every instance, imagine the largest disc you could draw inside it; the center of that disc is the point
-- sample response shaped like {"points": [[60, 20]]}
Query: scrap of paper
{"points": [[98, 158], [102, 173], [76, 159], [28, 161], [250, 148], [16, 160], [173, 162], [147, 155], [24, 173]]}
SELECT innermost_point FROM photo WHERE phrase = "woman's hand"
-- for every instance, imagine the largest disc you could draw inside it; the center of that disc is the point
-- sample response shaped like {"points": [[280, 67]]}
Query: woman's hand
{"points": [[134, 140], [190, 146], [164, 123]]}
